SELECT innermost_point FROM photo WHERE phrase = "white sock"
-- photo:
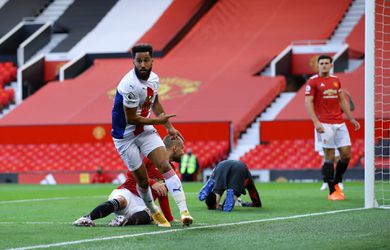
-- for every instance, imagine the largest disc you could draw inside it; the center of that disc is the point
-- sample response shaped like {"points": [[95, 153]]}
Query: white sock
{"points": [[174, 186], [147, 197]]}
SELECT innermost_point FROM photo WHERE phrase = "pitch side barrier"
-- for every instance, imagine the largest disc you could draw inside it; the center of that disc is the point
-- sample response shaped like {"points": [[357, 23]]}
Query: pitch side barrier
{"points": [[298, 129], [90, 133]]}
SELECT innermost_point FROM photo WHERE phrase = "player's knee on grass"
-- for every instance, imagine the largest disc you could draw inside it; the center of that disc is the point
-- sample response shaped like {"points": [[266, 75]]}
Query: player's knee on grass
{"points": [[139, 218], [122, 202]]}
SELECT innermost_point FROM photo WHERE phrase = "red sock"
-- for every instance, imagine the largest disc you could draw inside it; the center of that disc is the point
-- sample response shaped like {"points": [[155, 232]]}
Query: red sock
{"points": [[166, 209]]}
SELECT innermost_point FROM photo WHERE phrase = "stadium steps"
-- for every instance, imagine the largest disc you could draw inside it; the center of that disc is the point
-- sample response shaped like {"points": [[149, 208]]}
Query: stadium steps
{"points": [[2, 2], [54, 41], [351, 18], [53, 11], [250, 137]]}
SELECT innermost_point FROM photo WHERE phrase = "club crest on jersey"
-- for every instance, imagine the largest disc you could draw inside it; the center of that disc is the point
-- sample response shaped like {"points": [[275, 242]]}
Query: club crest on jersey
{"points": [[336, 84], [330, 92]]}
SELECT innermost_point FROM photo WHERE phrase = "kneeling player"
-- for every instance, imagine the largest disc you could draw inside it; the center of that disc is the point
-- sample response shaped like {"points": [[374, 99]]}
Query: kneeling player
{"points": [[128, 207], [234, 177], [124, 200]]}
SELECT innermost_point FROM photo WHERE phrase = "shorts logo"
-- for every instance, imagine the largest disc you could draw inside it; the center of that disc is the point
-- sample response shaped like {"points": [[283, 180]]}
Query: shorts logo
{"points": [[131, 96], [177, 189]]}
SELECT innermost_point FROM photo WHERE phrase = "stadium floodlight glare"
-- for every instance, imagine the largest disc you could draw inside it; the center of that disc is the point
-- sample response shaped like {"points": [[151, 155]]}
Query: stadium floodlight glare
{"points": [[377, 104]]}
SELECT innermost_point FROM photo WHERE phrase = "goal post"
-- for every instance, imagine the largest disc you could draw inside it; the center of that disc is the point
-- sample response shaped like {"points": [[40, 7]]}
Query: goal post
{"points": [[369, 114], [377, 104]]}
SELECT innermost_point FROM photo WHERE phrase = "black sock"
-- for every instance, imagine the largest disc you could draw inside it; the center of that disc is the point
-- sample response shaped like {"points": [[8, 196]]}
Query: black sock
{"points": [[341, 167], [104, 209], [328, 173], [139, 218]]}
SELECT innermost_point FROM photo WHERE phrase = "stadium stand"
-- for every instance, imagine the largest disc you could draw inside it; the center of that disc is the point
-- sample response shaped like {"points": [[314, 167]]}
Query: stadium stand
{"points": [[355, 40], [176, 21], [108, 36], [7, 75], [80, 18], [227, 85], [86, 156], [293, 154], [13, 12]]}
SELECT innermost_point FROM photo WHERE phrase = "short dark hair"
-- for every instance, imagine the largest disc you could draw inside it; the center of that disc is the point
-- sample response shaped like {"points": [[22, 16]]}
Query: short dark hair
{"points": [[142, 47], [325, 57], [211, 201], [170, 141]]}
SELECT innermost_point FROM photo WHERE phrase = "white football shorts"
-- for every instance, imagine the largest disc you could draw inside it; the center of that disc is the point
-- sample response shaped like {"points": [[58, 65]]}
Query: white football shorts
{"points": [[335, 136], [134, 203], [133, 149], [318, 148]]}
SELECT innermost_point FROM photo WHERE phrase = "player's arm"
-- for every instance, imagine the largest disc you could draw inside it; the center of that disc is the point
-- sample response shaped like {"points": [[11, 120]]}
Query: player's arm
{"points": [[134, 119], [344, 107], [158, 110], [253, 194], [309, 104]]}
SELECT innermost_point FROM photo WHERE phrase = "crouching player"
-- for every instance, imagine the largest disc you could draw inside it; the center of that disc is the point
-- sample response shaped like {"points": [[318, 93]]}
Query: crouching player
{"points": [[125, 202], [234, 177]]}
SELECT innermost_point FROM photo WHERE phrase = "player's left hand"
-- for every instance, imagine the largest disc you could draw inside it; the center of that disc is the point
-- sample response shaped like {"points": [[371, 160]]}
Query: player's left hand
{"points": [[175, 133], [356, 124]]}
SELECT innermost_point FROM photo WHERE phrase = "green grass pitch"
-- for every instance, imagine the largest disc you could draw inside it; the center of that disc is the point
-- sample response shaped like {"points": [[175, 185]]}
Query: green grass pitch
{"points": [[294, 216]]}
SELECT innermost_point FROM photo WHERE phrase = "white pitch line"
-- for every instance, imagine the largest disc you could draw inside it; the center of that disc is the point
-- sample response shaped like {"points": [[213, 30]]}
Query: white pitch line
{"points": [[66, 243]]}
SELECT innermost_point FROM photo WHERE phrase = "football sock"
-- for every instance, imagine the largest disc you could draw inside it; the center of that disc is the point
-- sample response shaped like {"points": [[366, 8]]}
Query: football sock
{"points": [[328, 173], [174, 186], [104, 209], [139, 218], [165, 208], [341, 167], [147, 197]]}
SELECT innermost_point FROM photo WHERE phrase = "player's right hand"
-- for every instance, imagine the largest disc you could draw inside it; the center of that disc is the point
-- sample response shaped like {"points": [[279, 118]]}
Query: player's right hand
{"points": [[320, 129], [163, 118], [356, 124]]}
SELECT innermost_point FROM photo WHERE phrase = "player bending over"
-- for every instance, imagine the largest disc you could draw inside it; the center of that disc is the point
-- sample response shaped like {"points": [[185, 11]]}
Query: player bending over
{"points": [[234, 177]]}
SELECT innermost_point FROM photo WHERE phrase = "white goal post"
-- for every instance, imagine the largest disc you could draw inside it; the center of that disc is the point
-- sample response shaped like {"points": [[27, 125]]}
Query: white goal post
{"points": [[369, 121], [377, 104]]}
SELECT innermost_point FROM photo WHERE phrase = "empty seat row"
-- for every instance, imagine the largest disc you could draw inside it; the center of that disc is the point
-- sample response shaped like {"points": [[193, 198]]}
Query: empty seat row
{"points": [[87, 156], [293, 154]]}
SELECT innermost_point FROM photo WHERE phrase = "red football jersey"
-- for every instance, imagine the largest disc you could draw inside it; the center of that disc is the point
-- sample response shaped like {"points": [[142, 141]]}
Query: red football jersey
{"points": [[325, 91]]}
